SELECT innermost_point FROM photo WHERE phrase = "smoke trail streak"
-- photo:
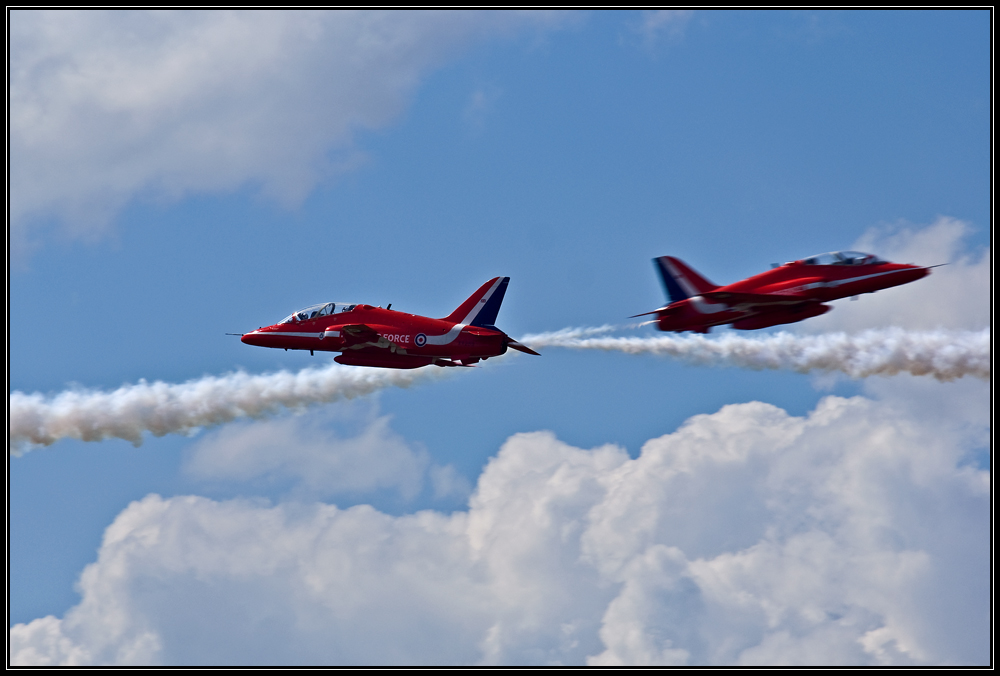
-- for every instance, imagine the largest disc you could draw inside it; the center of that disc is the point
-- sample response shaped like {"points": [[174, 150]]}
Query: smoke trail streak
{"points": [[945, 355], [163, 408], [555, 338]]}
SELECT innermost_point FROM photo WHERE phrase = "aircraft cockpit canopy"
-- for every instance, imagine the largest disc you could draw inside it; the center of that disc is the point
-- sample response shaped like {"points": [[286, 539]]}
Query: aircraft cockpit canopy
{"points": [[842, 258], [314, 311]]}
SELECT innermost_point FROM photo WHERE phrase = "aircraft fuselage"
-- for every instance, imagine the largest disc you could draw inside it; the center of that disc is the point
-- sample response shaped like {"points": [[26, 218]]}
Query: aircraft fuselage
{"points": [[372, 336], [783, 295]]}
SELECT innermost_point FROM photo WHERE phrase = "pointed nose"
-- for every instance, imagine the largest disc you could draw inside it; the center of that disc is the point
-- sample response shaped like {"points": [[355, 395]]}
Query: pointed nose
{"points": [[911, 273], [252, 338]]}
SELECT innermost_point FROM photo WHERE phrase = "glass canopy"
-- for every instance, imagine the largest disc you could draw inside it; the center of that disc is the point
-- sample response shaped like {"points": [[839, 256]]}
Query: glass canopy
{"points": [[314, 311], [842, 258]]}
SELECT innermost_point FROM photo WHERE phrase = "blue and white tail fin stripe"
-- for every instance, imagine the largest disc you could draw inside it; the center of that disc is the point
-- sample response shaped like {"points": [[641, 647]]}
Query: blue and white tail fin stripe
{"points": [[482, 307], [489, 305], [679, 280]]}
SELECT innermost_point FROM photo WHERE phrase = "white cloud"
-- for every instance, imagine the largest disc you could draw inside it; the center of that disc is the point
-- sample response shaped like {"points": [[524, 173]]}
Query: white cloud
{"points": [[107, 106], [955, 296], [659, 24], [480, 105], [858, 534], [320, 460], [964, 410]]}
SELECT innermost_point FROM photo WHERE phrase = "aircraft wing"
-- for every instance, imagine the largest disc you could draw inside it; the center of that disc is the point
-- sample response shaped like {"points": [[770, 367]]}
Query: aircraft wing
{"points": [[747, 300], [354, 334]]}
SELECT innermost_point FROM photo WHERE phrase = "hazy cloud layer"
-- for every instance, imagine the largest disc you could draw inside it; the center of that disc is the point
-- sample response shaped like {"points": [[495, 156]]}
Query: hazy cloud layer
{"points": [[662, 24], [858, 534], [107, 106], [332, 451], [954, 296]]}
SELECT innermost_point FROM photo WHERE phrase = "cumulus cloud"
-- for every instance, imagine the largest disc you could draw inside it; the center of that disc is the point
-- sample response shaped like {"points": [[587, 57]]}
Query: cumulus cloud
{"points": [[858, 534], [320, 454], [107, 106], [955, 296], [966, 406]]}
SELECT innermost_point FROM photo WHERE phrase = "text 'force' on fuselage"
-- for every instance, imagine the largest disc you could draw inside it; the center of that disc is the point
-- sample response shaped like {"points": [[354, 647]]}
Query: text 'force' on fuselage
{"points": [[382, 337], [785, 294]]}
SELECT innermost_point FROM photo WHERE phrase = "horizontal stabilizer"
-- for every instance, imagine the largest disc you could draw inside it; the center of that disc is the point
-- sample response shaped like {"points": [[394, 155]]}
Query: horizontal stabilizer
{"points": [[513, 344], [651, 312]]}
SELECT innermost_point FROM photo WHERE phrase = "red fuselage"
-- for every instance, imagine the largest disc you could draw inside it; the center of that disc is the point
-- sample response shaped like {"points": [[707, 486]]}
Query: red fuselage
{"points": [[372, 336], [399, 339]]}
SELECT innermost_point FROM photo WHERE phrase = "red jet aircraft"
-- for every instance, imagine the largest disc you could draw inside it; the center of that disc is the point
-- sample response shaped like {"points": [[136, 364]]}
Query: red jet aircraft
{"points": [[372, 336], [785, 294]]}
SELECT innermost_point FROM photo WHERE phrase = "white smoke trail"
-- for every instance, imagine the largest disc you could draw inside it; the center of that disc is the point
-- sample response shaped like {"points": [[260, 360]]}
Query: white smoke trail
{"points": [[945, 355], [556, 338], [164, 408]]}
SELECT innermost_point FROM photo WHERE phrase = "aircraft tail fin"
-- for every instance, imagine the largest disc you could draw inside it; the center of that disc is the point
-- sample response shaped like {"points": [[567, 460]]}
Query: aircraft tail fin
{"points": [[481, 308], [679, 280]]}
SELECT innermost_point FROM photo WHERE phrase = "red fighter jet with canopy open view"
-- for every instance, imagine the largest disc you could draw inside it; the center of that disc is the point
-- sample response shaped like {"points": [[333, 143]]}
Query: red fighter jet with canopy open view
{"points": [[373, 336], [785, 294]]}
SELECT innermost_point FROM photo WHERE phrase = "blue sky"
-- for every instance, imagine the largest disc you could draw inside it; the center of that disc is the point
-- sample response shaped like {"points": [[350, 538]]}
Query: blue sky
{"points": [[175, 177]]}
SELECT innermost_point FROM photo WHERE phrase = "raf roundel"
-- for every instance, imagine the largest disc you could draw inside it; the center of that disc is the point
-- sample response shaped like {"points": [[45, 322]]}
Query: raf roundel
{"points": [[420, 340]]}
